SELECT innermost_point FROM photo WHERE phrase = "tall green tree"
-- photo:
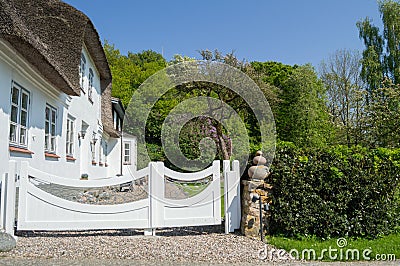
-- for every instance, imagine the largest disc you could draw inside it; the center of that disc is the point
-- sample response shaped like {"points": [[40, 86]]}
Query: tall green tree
{"points": [[130, 71], [381, 57], [299, 104], [382, 119], [304, 119], [226, 96]]}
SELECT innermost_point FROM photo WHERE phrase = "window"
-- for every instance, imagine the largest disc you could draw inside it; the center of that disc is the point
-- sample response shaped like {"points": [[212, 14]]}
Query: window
{"points": [[50, 129], [69, 149], [19, 116], [90, 88], [117, 121], [127, 153], [82, 70]]}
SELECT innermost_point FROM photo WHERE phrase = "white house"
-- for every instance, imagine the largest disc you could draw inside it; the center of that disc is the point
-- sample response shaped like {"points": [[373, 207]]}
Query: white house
{"points": [[56, 109]]}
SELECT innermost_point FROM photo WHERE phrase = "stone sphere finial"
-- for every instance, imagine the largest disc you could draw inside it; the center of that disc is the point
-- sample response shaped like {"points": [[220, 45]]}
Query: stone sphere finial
{"points": [[258, 170]]}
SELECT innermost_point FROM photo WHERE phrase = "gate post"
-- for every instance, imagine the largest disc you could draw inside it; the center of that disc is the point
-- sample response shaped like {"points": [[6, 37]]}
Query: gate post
{"points": [[3, 195], [9, 198], [156, 197], [232, 196]]}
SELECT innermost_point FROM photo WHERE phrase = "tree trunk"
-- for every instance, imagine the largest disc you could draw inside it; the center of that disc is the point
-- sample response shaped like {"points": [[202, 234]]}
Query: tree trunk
{"points": [[221, 142]]}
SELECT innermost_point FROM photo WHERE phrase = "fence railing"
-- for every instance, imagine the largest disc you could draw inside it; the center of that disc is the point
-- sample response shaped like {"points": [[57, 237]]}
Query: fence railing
{"points": [[39, 210]]}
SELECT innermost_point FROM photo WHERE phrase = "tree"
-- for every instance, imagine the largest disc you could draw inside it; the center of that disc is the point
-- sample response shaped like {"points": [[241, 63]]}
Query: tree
{"points": [[345, 99], [304, 116], [381, 71], [382, 120], [225, 96], [381, 57], [130, 71]]}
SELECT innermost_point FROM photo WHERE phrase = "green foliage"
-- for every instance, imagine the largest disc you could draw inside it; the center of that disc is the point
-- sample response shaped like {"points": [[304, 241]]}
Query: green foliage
{"points": [[382, 118], [337, 192], [274, 73], [130, 71], [302, 117], [381, 56], [299, 106]]}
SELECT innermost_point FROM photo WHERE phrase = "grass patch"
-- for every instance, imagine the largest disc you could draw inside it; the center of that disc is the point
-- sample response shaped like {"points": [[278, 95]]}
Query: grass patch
{"points": [[192, 189], [382, 248]]}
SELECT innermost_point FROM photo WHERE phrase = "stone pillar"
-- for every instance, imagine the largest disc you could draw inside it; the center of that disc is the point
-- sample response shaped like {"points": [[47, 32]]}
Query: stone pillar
{"points": [[258, 174]]}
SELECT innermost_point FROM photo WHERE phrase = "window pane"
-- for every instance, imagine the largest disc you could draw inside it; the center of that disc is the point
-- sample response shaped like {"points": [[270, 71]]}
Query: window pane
{"points": [[22, 136], [53, 130], [24, 116], [53, 116], [47, 127], [15, 95], [47, 113], [53, 144], [25, 99], [14, 114], [13, 133], [46, 142]]}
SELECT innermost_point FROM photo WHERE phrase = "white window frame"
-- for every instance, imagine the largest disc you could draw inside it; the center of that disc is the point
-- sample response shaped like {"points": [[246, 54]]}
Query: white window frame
{"points": [[115, 119], [69, 138], [127, 158], [19, 139], [50, 137], [90, 86], [82, 70]]}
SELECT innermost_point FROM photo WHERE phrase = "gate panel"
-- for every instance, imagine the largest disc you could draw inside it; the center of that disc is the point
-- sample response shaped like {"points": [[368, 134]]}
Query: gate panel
{"points": [[39, 210], [202, 209]]}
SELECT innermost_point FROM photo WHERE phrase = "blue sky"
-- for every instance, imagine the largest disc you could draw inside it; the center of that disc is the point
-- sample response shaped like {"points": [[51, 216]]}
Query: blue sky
{"points": [[287, 31]]}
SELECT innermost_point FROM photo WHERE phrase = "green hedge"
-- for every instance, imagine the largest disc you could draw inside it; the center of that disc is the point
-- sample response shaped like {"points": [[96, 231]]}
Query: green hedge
{"points": [[339, 192]]}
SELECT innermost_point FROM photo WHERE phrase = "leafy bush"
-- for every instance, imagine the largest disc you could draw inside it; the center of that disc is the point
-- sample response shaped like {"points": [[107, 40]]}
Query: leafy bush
{"points": [[337, 192]]}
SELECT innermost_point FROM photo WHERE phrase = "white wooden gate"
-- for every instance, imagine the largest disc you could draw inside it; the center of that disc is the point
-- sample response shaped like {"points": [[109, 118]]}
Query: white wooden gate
{"points": [[40, 210]]}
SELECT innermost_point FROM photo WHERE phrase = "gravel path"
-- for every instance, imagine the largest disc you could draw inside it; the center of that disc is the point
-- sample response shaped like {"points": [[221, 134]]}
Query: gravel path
{"points": [[194, 246], [176, 246], [185, 245]]}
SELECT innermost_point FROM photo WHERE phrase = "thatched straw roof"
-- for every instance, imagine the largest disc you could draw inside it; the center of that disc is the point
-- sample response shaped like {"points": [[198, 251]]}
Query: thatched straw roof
{"points": [[50, 34]]}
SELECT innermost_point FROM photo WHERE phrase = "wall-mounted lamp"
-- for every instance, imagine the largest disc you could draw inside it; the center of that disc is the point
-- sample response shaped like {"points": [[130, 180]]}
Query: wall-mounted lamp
{"points": [[81, 134], [94, 139]]}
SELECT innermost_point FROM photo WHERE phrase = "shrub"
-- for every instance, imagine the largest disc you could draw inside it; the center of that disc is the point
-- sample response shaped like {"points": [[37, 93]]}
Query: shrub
{"points": [[337, 192]]}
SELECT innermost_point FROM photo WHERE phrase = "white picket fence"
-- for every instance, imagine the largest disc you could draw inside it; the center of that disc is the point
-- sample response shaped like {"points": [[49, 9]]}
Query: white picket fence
{"points": [[40, 210]]}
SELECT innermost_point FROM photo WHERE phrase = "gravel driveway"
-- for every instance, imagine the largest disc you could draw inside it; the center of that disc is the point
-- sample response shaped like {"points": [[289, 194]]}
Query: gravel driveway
{"points": [[191, 244], [185, 246]]}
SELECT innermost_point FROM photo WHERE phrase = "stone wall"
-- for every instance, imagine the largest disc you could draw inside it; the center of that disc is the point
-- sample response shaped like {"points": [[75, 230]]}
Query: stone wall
{"points": [[253, 190]]}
